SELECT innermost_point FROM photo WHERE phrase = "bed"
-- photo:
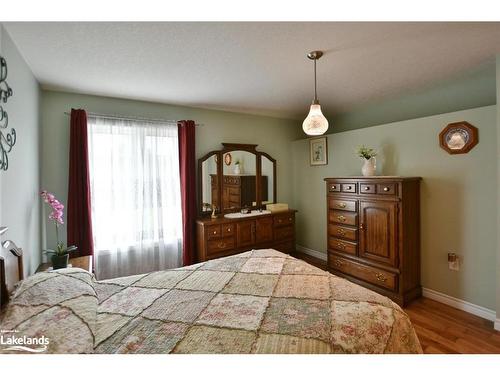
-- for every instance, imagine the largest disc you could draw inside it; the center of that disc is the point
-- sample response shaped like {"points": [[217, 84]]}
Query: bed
{"points": [[260, 301]]}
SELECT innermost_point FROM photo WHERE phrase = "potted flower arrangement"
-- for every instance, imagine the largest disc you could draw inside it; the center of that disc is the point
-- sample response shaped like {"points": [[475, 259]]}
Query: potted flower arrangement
{"points": [[60, 255], [368, 155]]}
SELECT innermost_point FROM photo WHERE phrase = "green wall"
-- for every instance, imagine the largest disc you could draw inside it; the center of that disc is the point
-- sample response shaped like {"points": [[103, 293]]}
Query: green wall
{"points": [[19, 185], [271, 134], [473, 89], [458, 195]]}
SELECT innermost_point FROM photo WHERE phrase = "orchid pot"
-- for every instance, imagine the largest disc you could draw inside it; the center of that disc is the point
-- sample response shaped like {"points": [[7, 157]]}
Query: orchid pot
{"points": [[60, 255]]}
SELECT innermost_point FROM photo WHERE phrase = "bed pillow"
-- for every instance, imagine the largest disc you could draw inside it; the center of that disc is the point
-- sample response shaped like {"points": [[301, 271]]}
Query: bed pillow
{"points": [[51, 312]]}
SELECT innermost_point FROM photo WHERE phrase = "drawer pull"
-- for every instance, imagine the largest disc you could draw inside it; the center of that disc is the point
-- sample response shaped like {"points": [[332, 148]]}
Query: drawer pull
{"points": [[215, 232], [341, 218], [341, 232], [340, 245], [221, 245], [341, 205], [349, 187], [338, 263], [333, 187], [367, 188], [229, 229], [289, 219], [361, 226], [381, 277], [386, 189]]}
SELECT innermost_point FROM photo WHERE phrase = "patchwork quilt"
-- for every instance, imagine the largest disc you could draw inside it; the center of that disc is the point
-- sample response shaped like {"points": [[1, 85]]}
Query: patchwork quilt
{"points": [[261, 301]]}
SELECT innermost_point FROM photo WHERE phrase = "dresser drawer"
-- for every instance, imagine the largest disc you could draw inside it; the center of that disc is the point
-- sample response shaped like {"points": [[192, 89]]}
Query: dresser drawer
{"points": [[341, 245], [342, 204], [387, 189], [228, 230], [343, 232], [284, 219], [367, 188], [283, 233], [372, 275], [348, 188], [213, 231], [217, 246], [333, 188], [343, 217]]}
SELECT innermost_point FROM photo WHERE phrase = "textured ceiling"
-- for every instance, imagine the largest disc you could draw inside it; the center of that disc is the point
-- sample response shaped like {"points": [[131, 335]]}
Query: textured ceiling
{"points": [[252, 67]]}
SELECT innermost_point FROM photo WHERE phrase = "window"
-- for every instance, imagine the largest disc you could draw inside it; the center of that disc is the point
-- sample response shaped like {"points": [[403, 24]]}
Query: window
{"points": [[135, 189]]}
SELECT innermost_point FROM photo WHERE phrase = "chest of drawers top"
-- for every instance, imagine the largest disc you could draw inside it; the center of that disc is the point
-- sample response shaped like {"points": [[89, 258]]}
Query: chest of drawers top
{"points": [[381, 186]]}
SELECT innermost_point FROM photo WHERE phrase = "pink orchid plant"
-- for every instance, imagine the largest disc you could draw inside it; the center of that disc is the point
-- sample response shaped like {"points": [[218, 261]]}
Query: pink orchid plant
{"points": [[57, 217]]}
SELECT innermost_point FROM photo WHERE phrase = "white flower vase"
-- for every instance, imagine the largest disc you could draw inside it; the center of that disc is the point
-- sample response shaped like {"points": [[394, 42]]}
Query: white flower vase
{"points": [[237, 169], [369, 167]]}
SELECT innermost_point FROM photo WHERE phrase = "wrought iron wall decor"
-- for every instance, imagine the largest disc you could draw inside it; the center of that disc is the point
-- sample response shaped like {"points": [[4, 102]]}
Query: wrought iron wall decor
{"points": [[7, 139]]}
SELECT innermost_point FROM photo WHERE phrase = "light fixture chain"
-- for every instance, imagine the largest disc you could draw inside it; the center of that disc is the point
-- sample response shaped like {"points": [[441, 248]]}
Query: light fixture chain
{"points": [[315, 89]]}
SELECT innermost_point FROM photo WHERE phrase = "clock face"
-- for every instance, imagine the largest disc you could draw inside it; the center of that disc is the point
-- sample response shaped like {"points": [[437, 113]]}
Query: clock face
{"points": [[456, 139]]}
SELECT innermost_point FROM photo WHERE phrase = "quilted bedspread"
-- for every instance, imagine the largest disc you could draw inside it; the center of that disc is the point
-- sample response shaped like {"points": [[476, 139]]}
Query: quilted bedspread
{"points": [[261, 301]]}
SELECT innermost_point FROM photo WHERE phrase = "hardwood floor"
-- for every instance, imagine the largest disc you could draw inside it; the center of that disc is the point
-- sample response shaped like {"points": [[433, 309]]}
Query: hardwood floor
{"points": [[441, 328]]}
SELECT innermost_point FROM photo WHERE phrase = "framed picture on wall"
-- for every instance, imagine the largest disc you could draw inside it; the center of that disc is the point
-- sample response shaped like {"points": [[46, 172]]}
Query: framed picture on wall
{"points": [[318, 151]]}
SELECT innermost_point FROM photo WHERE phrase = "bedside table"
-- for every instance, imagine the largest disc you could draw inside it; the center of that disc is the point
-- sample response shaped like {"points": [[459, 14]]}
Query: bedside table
{"points": [[84, 262]]}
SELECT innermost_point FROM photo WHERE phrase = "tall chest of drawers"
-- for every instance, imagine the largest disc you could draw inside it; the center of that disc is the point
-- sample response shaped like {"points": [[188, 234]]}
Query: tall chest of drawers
{"points": [[373, 226]]}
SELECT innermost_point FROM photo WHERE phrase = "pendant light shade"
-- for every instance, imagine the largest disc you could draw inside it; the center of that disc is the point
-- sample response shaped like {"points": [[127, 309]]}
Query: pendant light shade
{"points": [[315, 123]]}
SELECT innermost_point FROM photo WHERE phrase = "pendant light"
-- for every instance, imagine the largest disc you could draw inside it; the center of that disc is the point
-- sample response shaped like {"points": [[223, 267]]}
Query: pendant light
{"points": [[315, 123]]}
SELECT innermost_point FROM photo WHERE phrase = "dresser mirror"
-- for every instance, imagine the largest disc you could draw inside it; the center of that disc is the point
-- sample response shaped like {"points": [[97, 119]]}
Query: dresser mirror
{"points": [[235, 178], [209, 183]]}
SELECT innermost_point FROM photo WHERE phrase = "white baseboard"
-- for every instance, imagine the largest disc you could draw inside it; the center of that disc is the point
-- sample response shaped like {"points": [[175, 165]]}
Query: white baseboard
{"points": [[311, 252], [460, 304], [497, 324], [457, 303]]}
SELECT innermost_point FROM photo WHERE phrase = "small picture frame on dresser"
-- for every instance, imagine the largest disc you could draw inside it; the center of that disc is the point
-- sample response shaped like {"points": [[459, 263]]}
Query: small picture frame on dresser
{"points": [[318, 151]]}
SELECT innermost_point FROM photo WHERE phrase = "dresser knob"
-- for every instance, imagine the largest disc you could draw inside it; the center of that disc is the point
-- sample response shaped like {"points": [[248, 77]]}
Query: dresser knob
{"points": [[386, 189], [341, 218], [215, 232], [341, 205], [367, 188], [381, 277], [229, 229], [340, 245], [341, 232], [221, 245], [349, 187], [333, 187], [337, 263]]}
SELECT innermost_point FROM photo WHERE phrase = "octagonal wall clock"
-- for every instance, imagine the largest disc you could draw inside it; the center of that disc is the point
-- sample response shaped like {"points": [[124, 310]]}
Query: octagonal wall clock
{"points": [[458, 137]]}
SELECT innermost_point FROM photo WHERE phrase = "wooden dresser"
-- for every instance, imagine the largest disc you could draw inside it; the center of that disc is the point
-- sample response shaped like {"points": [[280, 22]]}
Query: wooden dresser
{"points": [[221, 237], [374, 233]]}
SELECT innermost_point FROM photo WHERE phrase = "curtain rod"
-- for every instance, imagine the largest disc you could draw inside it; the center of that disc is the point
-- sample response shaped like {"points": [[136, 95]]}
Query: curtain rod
{"points": [[131, 118]]}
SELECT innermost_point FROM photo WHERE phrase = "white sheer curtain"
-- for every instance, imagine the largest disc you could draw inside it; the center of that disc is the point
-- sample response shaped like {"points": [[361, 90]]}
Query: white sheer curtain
{"points": [[136, 202]]}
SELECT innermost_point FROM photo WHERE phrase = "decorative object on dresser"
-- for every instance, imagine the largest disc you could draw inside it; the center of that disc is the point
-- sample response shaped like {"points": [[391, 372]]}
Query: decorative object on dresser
{"points": [[369, 162], [374, 233], [458, 137], [318, 150], [240, 199]]}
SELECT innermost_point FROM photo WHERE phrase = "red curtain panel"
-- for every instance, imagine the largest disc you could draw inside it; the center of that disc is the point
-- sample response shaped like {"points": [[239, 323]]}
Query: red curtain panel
{"points": [[79, 220], [187, 167]]}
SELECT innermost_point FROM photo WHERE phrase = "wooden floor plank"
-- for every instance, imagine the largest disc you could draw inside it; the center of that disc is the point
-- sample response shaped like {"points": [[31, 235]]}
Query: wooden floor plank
{"points": [[442, 328]]}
